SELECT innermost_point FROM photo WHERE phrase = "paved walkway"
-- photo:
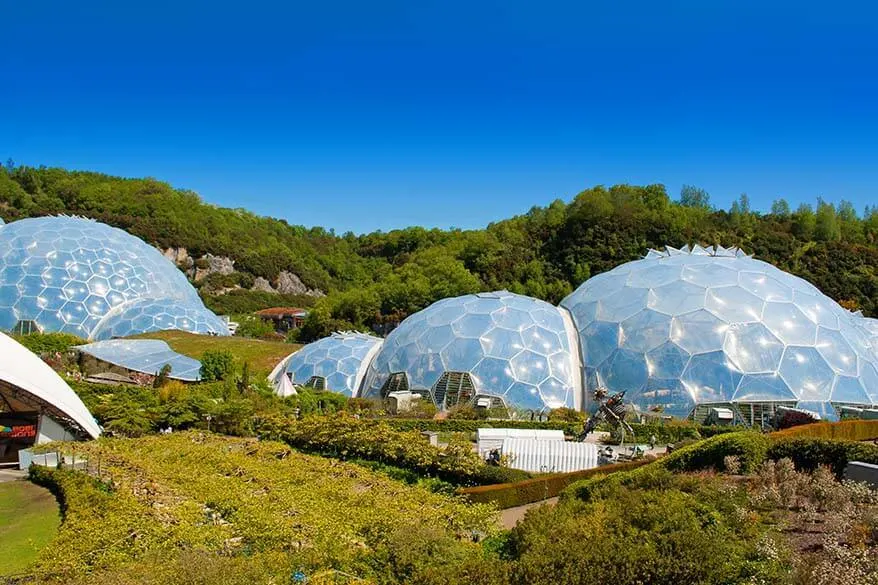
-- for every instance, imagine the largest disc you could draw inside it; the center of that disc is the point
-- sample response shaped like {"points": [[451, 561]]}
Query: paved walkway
{"points": [[512, 516], [7, 474]]}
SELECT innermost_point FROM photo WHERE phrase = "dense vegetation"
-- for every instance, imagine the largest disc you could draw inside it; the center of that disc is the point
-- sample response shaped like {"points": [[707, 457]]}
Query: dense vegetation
{"points": [[200, 508], [378, 278]]}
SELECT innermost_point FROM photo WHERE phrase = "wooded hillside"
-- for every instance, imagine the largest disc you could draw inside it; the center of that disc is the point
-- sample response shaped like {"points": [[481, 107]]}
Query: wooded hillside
{"points": [[381, 277]]}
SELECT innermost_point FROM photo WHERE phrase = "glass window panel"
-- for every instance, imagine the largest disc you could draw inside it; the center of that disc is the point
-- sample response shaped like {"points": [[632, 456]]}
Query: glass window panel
{"points": [[789, 323], [677, 298], [624, 370], [765, 287], [666, 361], [733, 304], [763, 387], [849, 390], [530, 367], [645, 331], [837, 352], [753, 348], [698, 332], [807, 373], [711, 377]]}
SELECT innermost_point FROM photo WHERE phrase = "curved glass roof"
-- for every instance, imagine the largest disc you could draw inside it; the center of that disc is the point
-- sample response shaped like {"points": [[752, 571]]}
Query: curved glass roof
{"points": [[513, 347], [339, 359], [158, 314], [28, 380], [68, 273], [712, 325], [144, 355]]}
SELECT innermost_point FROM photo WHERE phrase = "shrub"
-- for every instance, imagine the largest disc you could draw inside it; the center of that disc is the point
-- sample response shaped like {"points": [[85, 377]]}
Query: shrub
{"points": [[639, 535], [809, 453], [749, 447], [252, 326], [41, 343], [851, 430], [509, 495], [217, 365]]}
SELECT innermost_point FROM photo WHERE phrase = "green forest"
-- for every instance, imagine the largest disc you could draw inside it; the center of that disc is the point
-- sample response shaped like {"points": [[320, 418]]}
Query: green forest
{"points": [[379, 278]]}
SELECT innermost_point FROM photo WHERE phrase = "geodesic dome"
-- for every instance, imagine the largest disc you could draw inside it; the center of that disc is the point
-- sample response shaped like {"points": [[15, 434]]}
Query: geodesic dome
{"points": [[157, 315], [68, 273], [499, 345], [337, 363], [685, 329]]}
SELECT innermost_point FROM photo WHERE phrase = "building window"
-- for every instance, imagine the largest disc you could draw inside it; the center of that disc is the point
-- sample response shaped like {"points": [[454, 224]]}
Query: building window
{"points": [[453, 388], [316, 382], [24, 327], [397, 382]]}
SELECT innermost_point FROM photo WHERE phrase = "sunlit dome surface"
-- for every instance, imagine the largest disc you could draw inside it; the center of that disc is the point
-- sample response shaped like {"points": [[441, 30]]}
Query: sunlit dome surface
{"points": [[686, 328], [68, 273], [337, 363], [509, 346], [148, 356]]}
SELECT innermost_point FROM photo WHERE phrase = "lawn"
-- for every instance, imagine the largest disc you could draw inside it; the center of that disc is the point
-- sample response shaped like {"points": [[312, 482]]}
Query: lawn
{"points": [[29, 519], [261, 355]]}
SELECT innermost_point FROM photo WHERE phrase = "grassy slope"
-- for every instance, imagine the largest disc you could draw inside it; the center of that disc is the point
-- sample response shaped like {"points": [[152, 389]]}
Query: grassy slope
{"points": [[29, 518], [261, 355]]}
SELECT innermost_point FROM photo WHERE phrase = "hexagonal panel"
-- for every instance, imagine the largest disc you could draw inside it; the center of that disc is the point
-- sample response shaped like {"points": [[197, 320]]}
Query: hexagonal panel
{"points": [[807, 373], [789, 323], [753, 348]]}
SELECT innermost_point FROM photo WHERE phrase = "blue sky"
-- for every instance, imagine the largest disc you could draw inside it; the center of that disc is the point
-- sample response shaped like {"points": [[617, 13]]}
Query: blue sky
{"points": [[375, 115]]}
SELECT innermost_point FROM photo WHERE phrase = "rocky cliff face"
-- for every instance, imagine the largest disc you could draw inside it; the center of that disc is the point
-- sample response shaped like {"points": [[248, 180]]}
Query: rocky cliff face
{"points": [[198, 269]]}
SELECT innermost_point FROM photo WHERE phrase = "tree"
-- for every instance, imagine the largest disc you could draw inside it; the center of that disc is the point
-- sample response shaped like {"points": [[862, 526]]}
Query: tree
{"points": [[216, 365], [692, 196], [780, 208], [162, 377], [826, 225]]}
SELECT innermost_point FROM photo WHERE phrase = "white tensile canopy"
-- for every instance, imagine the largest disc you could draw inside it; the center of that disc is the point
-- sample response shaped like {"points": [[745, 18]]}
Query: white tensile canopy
{"points": [[27, 380]]}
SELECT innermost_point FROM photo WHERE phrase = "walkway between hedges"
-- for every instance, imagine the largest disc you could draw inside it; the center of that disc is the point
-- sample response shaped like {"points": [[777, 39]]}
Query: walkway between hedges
{"points": [[512, 516]]}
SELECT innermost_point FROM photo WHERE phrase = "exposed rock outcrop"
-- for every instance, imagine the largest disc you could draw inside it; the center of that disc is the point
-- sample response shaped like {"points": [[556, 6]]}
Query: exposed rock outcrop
{"points": [[261, 284], [290, 284], [210, 264]]}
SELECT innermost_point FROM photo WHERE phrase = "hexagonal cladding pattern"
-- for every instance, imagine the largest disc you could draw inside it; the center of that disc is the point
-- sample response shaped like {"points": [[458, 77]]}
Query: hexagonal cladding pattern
{"points": [[68, 274], [336, 363], [498, 345], [681, 329]]}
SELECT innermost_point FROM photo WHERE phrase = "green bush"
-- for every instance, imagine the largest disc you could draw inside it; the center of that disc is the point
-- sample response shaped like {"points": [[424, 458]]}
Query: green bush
{"points": [[666, 534], [519, 493], [345, 437], [217, 365], [749, 447], [809, 453], [41, 343], [252, 326], [850, 430]]}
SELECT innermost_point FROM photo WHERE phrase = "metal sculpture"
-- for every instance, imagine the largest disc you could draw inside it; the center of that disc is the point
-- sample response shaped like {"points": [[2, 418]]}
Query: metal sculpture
{"points": [[610, 410]]}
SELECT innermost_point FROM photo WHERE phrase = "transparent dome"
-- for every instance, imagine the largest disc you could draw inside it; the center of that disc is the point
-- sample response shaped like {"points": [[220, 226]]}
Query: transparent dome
{"points": [[157, 315], [684, 328], [337, 363], [495, 344], [68, 273]]}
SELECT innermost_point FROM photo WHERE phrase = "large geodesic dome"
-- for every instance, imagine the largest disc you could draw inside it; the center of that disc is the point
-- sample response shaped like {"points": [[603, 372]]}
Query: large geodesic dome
{"points": [[510, 349], [69, 274], [337, 363], [685, 330]]}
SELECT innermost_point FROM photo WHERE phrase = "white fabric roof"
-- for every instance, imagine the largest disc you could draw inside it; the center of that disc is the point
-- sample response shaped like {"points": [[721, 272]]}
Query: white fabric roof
{"points": [[20, 368]]}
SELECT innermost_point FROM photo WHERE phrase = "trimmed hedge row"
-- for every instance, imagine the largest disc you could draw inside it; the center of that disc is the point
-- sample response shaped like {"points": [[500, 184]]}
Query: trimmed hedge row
{"points": [[809, 453], [664, 433], [509, 495], [749, 447], [849, 430]]}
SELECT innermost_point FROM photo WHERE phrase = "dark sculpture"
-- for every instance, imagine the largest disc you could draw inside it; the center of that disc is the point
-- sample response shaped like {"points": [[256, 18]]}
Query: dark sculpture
{"points": [[611, 410]]}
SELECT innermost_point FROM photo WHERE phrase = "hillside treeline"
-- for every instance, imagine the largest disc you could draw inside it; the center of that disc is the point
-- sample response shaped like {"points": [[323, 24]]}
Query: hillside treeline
{"points": [[376, 279]]}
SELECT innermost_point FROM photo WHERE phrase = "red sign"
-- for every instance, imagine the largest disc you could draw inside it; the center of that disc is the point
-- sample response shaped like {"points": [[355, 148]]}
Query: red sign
{"points": [[19, 432]]}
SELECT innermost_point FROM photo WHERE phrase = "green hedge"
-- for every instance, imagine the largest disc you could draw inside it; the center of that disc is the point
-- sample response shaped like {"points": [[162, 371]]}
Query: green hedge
{"points": [[809, 453], [509, 495], [748, 446], [848, 430], [671, 432]]}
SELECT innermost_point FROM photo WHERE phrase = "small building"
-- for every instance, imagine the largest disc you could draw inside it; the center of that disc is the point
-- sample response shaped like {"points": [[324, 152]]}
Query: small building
{"points": [[283, 318], [36, 405]]}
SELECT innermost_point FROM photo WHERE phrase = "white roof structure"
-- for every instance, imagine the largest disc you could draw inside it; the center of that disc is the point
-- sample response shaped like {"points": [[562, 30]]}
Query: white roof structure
{"points": [[26, 379]]}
